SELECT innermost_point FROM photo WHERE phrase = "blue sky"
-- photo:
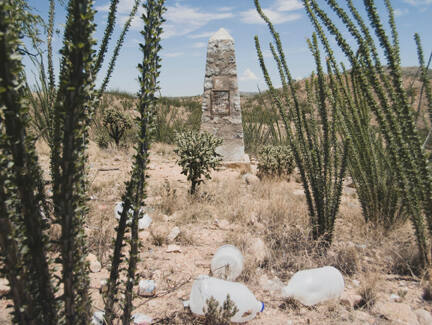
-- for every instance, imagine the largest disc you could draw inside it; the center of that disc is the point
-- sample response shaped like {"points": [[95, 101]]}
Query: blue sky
{"points": [[190, 23]]}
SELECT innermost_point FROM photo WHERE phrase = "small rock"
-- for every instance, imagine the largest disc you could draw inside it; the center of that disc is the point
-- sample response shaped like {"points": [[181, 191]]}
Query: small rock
{"points": [[397, 312], [98, 318], [173, 249], [271, 285], [141, 319], [103, 286], [146, 288], [250, 179], [95, 265], [356, 283], [258, 249], [395, 298], [4, 287], [423, 317], [350, 300], [173, 234], [298, 192], [349, 190], [222, 224]]}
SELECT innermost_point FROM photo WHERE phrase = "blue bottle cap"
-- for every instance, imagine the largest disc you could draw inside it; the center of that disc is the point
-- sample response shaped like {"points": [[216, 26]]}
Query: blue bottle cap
{"points": [[262, 307]]}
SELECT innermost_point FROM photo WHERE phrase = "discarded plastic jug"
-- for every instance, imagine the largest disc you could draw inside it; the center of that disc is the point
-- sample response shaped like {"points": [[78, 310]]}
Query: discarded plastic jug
{"points": [[98, 318], [146, 288], [227, 263], [141, 319], [144, 222], [313, 286], [205, 287]]}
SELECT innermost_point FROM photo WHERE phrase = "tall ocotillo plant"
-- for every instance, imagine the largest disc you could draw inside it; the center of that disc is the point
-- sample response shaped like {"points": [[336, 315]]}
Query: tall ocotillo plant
{"points": [[313, 140], [23, 243], [72, 111], [135, 188], [388, 101]]}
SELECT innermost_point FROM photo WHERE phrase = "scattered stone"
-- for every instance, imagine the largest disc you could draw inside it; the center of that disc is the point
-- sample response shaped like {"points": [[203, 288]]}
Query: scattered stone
{"points": [[350, 300], [349, 191], [4, 287], [103, 286], [98, 318], [95, 265], [424, 317], [222, 224], [173, 249], [141, 319], [250, 179], [395, 298], [298, 192], [397, 312], [146, 288], [356, 283], [173, 234], [258, 249], [273, 286]]}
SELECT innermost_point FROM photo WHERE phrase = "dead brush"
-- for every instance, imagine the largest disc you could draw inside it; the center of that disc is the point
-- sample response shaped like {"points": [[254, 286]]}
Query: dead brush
{"points": [[101, 232], [291, 249], [404, 259], [368, 292], [346, 260], [169, 198]]}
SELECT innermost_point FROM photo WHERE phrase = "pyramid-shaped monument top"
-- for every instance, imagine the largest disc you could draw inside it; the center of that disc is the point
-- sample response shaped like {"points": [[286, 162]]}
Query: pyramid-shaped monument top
{"points": [[221, 34]]}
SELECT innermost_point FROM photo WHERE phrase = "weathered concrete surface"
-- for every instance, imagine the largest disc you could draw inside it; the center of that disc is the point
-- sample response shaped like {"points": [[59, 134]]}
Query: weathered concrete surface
{"points": [[221, 100]]}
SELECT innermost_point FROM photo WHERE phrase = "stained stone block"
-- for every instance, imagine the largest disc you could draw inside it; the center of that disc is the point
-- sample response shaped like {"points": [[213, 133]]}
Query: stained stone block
{"points": [[221, 99]]}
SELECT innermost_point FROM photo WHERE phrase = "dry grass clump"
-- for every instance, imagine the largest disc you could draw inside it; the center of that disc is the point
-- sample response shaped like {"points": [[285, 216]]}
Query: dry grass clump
{"points": [[346, 260], [101, 229], [163, 149], [368, 291], [168, 202], [404, 259]]}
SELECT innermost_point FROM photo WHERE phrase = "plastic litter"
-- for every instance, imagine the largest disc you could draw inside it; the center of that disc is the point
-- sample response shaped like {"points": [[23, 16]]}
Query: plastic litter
{"points": [[227, 263], [144, 222], [146, 288], [205, 287], [313, 286], [98, 318], [141, 319]]}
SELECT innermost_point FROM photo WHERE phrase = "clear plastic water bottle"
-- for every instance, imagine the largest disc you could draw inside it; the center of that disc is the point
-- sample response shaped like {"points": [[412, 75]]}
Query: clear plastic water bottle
{"points": [[205, 287], [313, 286], [227, 263]]}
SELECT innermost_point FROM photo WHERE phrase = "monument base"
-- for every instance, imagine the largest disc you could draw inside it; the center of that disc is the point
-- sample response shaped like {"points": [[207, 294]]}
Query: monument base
{"points": [[243, 164]]}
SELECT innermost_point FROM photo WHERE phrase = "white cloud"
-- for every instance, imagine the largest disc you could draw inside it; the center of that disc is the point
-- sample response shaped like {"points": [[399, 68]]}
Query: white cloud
{"points": [[418, 2], [199, 45], [183, 20], [173, 54], [180, 19], [248, 75], [202, 35], [400, 12], [288, 5], [251, 16], [225, 9], [278, 13]]}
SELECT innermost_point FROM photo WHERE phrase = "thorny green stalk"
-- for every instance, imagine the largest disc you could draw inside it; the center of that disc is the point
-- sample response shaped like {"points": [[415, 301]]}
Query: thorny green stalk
{"points": [[135, 187]]}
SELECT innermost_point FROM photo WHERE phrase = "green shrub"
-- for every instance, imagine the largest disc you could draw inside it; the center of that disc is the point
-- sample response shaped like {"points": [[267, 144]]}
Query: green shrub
{"points": [[116, 122], [275, 161], [219, 315], [197, 155]]}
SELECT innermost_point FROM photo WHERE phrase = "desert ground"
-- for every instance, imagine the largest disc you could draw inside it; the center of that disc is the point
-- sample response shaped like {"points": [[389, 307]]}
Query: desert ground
{"points": [[267, 220]]}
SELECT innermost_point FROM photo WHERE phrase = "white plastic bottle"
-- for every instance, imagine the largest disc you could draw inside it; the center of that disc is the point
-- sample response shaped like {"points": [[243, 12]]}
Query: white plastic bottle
{"points": [[313, 286], [227, 263], [205, 287]]}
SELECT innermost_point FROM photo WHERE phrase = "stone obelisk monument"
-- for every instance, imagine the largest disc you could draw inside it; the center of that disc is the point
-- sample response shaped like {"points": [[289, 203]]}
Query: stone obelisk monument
{"points": [[221, 112]]}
